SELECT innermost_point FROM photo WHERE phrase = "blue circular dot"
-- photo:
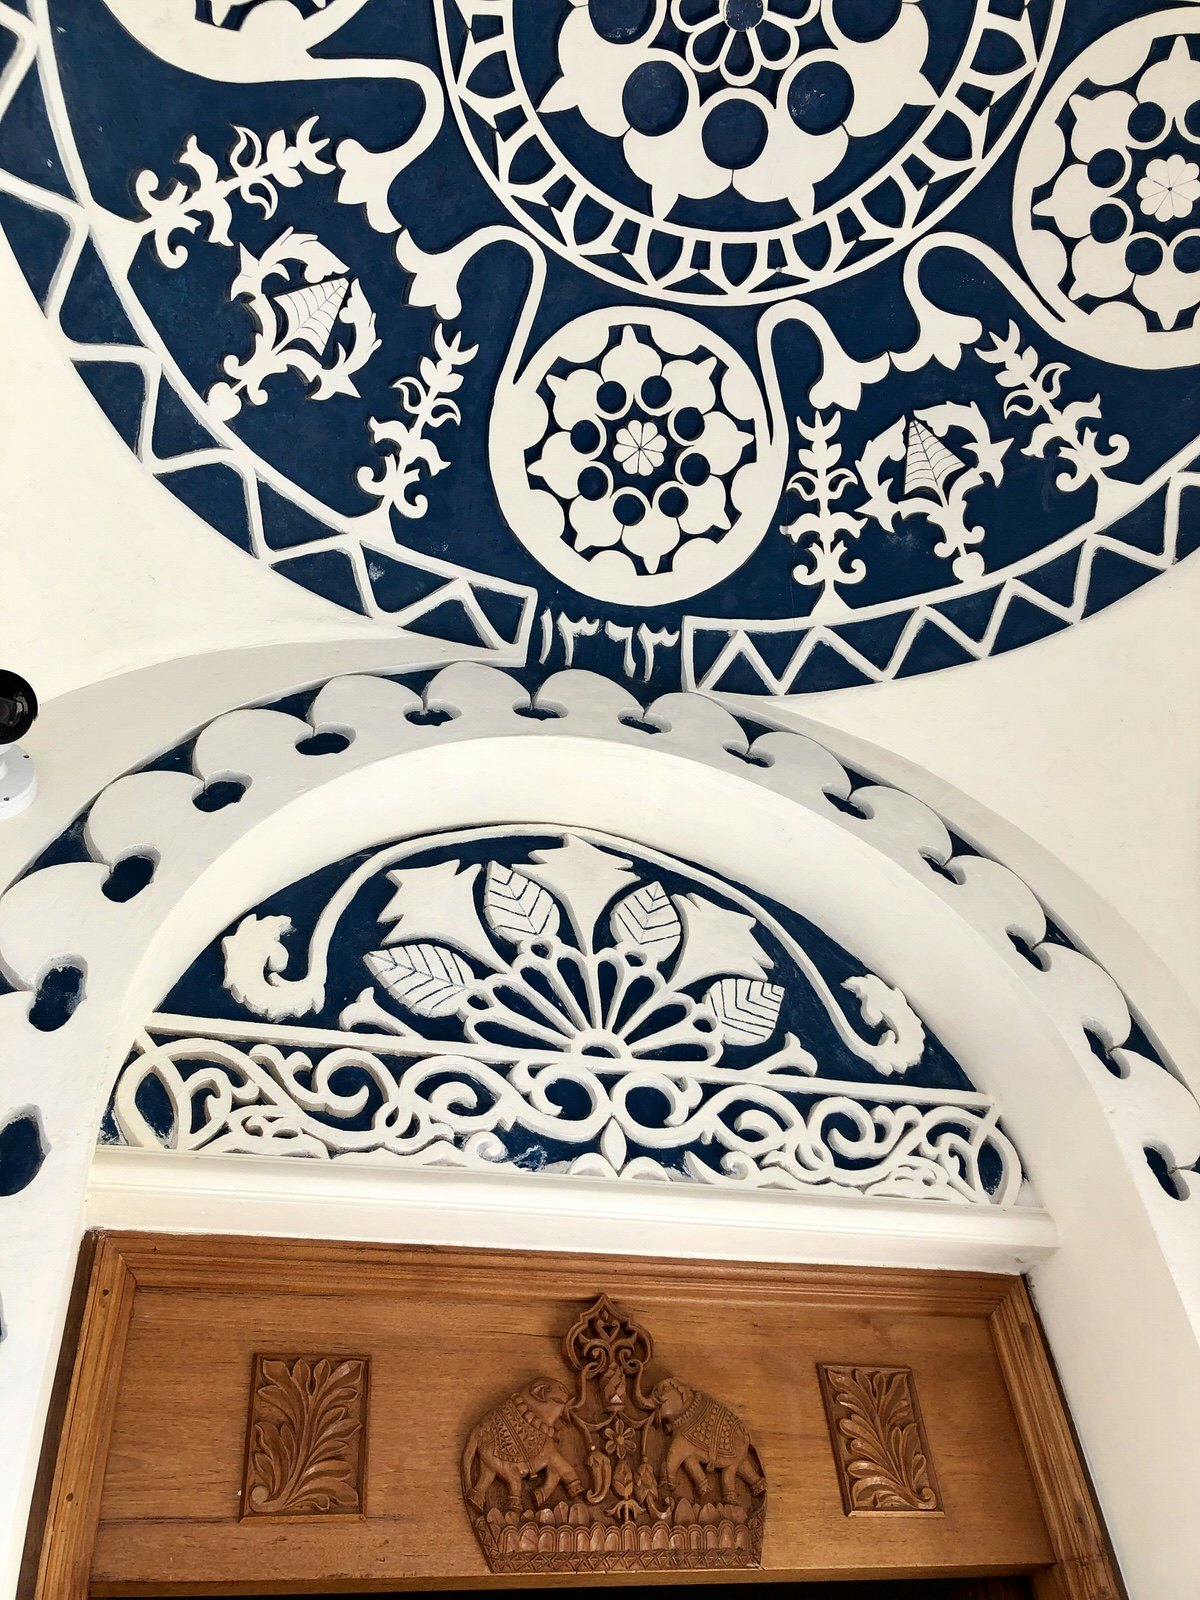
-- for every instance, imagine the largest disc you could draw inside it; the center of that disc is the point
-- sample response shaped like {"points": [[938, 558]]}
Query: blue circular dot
{"points": [[734, 134], [1109, 222], [1143, 256], [629, 509], [619, 20], [1106, 169], [866, 19], [655, 393], [694, 469], [586, 438], [687, 424], [611, 398], [1187, 253], [672, 502], [744, 14], [593, 483], [820, 97], [1146, 122], [655, 97]]}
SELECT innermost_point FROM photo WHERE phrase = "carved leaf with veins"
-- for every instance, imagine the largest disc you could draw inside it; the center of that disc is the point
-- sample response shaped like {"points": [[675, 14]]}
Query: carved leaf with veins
{"points": [[517, 908], [428, 978], [647, 920]]}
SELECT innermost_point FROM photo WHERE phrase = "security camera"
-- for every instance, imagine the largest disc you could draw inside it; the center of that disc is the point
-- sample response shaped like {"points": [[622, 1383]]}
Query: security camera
{"points": [[18, 711]]}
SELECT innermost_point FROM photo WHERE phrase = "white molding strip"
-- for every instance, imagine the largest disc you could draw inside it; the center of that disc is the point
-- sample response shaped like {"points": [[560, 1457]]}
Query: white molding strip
{"points": [[187, 1193]]}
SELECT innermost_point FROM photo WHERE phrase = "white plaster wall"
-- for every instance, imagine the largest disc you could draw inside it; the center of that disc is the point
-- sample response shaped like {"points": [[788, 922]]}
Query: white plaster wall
{"points": [[1085, 744]]}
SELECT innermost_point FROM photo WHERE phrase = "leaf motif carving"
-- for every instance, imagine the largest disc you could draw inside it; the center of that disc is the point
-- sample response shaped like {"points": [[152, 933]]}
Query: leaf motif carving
{"points": [[648, 920], [517, 908], [310, 311], [878, 1439], [304, 1456], [746, 1009], [428, 978]]}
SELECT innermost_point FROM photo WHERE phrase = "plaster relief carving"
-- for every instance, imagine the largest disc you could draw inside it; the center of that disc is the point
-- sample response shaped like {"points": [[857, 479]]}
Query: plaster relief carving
{"points": [[608, 1477], [853, 426], [306, 1439], [878, 1438], [555, 999]]}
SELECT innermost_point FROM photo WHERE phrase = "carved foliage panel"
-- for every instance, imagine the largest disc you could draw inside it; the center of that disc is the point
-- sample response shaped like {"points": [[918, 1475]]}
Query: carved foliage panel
{"points": [[600, 1009], [878, 1438], [306, 1437]]}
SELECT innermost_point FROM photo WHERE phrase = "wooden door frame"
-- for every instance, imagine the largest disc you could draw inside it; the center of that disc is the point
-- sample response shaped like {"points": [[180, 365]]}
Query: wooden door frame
{"points": [[113, 1265]]}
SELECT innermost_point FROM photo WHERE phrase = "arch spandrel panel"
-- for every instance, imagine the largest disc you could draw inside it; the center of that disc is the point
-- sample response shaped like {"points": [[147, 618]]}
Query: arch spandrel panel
{"points": [[558, 1000]]}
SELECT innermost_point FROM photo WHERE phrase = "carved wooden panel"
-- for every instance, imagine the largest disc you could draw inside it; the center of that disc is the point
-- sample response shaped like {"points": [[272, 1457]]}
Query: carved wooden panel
{"points": [[306, 1437], [878, 1438], [600, 1475], [451, 1332]]}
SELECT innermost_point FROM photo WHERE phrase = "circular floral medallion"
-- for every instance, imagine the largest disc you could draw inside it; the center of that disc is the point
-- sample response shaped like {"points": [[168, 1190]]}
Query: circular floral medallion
{"points": [[635, 457], [735, 149], [1107, 192]]}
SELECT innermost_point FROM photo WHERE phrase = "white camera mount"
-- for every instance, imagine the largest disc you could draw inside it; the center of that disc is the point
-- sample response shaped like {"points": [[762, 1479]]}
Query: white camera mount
{"points": [[18, 710], [18, 780]]}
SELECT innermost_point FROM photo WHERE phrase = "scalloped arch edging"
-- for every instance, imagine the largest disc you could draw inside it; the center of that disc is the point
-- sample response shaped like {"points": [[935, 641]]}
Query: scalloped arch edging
{"points": [[352, 721]]}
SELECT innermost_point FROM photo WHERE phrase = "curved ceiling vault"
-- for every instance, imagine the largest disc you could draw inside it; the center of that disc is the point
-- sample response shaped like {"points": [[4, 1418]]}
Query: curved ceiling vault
{"points": [[767, 346], [746, 346]]}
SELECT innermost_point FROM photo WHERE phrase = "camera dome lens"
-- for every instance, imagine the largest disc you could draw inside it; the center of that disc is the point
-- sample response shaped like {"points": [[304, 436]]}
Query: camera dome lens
{"points": [[18, 707]]}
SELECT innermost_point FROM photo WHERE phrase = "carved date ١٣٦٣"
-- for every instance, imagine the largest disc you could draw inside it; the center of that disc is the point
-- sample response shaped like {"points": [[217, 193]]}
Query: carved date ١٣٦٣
{"points": [[878, 1439], [605, 1477], [306, 1438]]}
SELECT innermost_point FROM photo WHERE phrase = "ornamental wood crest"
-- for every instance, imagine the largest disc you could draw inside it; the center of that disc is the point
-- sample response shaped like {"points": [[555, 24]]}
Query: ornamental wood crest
{"points": [[600, 1475]]}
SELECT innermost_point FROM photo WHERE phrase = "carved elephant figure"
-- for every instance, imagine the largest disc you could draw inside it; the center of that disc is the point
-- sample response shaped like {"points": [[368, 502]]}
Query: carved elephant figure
{"points": [[704, 1434], [516, 1440]]}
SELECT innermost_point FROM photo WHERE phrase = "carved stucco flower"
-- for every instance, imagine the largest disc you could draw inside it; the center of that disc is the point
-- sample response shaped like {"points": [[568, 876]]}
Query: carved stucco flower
{"points": [[1112, 137], [639, 447], [581, 957], [629, 416], [780, 123], [1170, 188], [741, 38]]}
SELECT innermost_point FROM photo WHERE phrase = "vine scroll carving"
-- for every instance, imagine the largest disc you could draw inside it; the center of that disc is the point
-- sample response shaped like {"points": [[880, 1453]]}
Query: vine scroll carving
{"points": [[607, 1477]]}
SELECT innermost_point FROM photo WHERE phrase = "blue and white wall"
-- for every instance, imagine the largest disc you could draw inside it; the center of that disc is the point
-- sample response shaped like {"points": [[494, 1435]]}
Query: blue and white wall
{"points": [[832, 359]]}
